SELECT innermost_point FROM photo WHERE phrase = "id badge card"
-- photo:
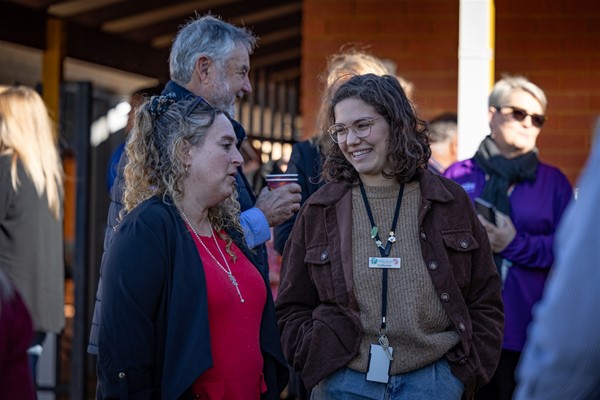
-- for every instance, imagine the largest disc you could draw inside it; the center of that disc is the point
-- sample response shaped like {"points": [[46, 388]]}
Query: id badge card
{"points": [[379, 364], [384, 262]]}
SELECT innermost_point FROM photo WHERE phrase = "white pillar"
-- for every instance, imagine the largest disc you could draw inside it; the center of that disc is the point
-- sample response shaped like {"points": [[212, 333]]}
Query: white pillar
{"points": [[475, 72]]}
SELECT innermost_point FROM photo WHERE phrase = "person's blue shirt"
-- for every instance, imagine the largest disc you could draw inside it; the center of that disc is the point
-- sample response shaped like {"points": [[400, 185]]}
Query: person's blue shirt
{"points": [[113, 164]]}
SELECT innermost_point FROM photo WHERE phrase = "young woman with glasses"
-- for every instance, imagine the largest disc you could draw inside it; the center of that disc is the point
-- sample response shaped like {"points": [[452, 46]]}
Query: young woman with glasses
{"points": [[388, 287], [530, 197]]}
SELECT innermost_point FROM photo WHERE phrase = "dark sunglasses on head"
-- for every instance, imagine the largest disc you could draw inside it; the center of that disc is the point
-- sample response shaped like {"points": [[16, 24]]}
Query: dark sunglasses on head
{"points": [[519, 115]]}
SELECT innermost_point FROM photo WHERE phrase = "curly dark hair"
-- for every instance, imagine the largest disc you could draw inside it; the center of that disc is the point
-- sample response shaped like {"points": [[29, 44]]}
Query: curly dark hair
{"points": [[408, 147]]}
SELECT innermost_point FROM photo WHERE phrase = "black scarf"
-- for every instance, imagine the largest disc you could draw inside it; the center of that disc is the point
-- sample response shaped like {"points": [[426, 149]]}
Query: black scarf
{"points": [[501, 172]]}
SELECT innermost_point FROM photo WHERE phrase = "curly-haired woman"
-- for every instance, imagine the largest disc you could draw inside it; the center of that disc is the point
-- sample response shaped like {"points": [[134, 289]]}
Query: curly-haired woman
{"points": [[185, 311], [389, 289]]}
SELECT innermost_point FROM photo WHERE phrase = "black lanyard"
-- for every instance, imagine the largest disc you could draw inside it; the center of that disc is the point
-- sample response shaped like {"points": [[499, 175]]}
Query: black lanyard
{"points": [[385, 251]]}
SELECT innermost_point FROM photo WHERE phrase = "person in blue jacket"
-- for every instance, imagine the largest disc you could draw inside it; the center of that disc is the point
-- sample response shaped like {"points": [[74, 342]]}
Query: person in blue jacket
{"points": [[137, 98], [186, 312], [562, 353]]}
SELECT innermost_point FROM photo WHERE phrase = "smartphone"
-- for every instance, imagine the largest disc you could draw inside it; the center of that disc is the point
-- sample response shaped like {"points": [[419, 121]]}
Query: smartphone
{"points": [[485, 209]]}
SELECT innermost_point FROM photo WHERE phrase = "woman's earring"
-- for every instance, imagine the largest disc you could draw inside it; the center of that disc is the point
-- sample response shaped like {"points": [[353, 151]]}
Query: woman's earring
{"points": [[187, 170]]}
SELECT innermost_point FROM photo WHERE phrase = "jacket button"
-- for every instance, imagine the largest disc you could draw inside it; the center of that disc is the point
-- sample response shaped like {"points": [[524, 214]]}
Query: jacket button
{"points": [[324, 255], [423, 236], [433, 265], [463, 361], [445, 297], [464, 244], [461, 327], [121, 375]]}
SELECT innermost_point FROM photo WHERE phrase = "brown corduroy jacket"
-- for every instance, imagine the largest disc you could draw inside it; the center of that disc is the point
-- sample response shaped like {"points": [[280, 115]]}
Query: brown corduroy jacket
{"points": [[316, 308]]}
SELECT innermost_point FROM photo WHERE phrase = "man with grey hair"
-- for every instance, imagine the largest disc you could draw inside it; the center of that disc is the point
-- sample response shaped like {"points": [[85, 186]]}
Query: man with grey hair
{"points": [[210, 59]]}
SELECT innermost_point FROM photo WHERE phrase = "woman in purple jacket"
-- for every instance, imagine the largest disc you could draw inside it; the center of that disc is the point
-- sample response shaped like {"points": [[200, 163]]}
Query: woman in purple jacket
{"points": [[529, 199]]}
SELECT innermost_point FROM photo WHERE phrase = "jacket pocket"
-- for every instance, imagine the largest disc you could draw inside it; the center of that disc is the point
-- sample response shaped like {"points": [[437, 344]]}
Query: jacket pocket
{"points": [[318, 260], [460, 245]]}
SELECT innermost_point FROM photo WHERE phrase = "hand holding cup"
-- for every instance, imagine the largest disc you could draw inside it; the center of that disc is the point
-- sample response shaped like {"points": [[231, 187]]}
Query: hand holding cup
{"points": [[276, 180], [280, 199]]}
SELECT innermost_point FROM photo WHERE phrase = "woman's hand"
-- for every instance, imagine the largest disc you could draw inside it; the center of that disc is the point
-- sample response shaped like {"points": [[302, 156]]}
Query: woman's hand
{"points": [[502, 233]]}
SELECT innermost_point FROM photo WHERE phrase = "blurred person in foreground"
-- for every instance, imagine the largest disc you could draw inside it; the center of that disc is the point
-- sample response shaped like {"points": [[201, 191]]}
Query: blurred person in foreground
{"points": [[210, 60], [443, 141], [562, 353], [307, 157], [530, 197], [16, 332], [388, 289], [31, 211], [186, 311]]}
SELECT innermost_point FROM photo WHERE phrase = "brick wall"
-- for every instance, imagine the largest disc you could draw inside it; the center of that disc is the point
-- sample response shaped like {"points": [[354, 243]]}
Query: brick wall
{"points": [[555, 43]]}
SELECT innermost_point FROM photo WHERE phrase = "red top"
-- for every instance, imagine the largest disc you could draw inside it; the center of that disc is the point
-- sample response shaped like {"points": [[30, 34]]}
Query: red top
{"points": [[234, 326]]}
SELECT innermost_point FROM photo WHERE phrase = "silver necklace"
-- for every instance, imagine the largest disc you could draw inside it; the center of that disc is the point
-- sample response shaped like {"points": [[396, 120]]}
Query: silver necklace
{"points": [[226, 270]]}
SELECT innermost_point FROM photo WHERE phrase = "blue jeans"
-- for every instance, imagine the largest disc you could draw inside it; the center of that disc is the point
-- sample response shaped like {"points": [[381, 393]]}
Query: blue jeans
{"points": [[434, 381]]}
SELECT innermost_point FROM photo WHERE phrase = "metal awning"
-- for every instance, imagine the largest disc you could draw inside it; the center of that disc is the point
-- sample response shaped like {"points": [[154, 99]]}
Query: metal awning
{"points": [[135, 35]]}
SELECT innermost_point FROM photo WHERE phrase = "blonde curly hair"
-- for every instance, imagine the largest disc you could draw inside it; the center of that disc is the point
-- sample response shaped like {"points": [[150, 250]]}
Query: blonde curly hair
{"points": [[156, 149], [349, 62]]}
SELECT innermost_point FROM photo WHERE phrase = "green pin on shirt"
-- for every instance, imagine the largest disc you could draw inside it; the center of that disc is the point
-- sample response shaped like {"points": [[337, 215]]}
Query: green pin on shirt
{"points": [[374, 231]]}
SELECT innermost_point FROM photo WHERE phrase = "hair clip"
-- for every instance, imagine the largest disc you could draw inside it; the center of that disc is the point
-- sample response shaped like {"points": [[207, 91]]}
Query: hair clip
{"points": [[160, 104]]}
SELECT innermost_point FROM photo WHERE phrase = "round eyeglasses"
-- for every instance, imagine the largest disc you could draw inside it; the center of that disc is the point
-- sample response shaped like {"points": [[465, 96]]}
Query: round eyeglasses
{"points": [[361, 128]]}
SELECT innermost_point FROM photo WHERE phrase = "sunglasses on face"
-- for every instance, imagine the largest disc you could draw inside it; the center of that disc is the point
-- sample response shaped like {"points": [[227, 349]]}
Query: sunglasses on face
{"points": [[518, 114]]}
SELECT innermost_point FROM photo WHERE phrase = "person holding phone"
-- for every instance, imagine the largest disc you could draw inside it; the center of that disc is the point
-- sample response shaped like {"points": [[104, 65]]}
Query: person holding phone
{"points": [[529, 198], [388, 286]]}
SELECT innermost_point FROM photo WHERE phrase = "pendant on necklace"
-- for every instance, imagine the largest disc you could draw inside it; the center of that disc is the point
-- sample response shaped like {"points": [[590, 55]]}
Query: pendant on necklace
{"points": [[226, 270], [234, 282], [392, 237], [379, 243]]}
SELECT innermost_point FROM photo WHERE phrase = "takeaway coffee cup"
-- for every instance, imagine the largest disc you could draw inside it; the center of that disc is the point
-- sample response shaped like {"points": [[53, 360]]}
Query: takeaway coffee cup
{"points": [[276, 180]]}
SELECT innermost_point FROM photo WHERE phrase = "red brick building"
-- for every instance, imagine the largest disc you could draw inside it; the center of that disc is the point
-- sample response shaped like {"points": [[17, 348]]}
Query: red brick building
{"points": [[554, 43]]}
